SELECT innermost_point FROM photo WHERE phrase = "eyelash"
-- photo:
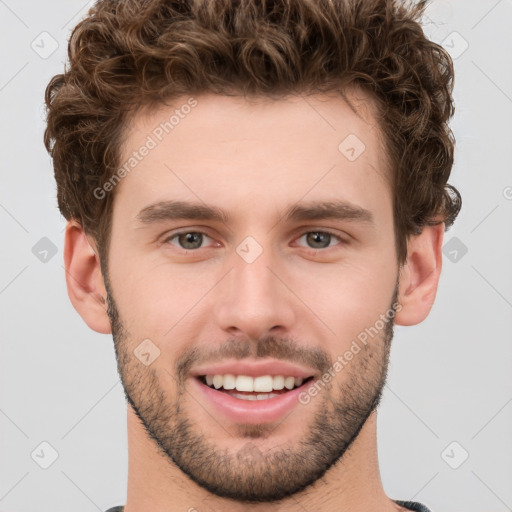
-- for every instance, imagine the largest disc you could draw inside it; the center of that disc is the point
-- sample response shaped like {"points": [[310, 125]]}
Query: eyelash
{"points": [[322, 231]]}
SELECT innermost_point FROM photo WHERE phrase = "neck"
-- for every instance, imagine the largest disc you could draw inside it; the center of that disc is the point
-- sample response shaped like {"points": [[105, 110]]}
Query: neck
{"points": [[155, 484]]}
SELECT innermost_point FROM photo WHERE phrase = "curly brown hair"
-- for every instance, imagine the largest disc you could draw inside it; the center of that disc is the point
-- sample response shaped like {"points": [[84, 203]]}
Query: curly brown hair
{"points": [[132, 54]]}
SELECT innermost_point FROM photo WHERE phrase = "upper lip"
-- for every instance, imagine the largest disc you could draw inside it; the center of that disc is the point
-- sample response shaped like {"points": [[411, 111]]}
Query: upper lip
{"points": [[254, 369]]}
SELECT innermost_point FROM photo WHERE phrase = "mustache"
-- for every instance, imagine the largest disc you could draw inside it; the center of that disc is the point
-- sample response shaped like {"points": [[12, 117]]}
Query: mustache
{"points": [[280, 348]]}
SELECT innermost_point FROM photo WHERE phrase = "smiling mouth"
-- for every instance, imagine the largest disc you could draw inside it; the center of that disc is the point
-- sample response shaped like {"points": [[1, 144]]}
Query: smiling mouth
{"points": [[245, 387]]}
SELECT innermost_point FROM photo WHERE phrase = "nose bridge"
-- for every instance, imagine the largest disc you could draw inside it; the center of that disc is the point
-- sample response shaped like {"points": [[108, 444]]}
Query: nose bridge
{"points": [[252, 298]]}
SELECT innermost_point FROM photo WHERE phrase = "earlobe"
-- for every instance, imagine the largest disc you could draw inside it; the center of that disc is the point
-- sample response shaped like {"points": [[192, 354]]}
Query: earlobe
{"points": [[84, 280], [420, 275]]}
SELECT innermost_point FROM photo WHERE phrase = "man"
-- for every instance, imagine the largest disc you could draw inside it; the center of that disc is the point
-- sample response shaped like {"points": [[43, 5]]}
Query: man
{"points": [[255, 193]]}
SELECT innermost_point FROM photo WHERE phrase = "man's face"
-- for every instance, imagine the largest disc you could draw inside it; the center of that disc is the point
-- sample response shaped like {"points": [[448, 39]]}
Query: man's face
{"points": [[275, 289]]}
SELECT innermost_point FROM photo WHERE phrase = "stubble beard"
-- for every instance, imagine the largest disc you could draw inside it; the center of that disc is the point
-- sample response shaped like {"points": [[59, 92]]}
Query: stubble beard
{"points": [[252, 474]]}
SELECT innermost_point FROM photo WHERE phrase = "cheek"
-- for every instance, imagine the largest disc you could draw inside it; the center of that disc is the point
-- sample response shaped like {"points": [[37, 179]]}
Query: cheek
{"points": [[155, 299], [158, 299], [349, 298]]}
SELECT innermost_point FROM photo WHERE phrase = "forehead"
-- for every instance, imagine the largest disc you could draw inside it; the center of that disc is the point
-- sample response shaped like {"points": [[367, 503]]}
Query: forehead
{"points": [[229, 147], [328, 116]]}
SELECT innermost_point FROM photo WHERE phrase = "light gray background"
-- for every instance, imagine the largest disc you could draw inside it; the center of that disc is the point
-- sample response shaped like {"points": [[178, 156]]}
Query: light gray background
{"points": [[450, 377]]}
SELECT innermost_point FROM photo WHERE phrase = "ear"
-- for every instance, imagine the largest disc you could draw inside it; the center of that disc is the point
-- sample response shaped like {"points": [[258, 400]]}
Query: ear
{"points": [[419, 276], [84, 280]]}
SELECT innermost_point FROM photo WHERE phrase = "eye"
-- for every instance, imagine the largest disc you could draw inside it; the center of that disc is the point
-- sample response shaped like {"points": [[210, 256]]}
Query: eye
{"points": [[193, 240], [188, 240], [320, 239]]}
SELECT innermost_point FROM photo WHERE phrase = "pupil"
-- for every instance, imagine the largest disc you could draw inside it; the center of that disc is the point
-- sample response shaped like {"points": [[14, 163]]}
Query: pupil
{"points": [[316, 237], [193, 238]]}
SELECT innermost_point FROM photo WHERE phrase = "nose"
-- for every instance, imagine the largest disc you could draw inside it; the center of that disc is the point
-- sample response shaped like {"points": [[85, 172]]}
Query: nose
{"points": [[253, 299]]}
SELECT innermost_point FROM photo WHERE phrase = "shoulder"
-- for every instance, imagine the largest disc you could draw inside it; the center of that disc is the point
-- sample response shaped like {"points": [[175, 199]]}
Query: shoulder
{"points": [[413, 505]]}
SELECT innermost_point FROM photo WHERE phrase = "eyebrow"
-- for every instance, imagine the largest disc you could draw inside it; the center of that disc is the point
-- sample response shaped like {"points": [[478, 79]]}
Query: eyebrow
{"points": [[180, 210]]}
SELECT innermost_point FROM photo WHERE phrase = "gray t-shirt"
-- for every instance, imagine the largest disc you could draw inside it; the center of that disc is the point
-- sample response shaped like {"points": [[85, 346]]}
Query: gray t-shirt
{"points": [[411, 505]]}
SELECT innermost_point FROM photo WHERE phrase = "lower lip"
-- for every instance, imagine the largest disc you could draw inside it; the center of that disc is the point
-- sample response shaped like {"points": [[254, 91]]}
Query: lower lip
{"points": [[251, 411]]}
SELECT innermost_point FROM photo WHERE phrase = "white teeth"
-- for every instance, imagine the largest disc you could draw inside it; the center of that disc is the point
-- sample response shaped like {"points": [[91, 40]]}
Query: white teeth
{"points": [[266, 395], [278, 382], [289, 382], [244, 383], [217, 381], [244, 397], [262, 383], [229, 381], [253, 397]]}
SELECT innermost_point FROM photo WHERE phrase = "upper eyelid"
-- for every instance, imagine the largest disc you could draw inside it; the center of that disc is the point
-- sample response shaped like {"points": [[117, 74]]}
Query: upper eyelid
{"points": [[183, 232], [340, 238]]}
